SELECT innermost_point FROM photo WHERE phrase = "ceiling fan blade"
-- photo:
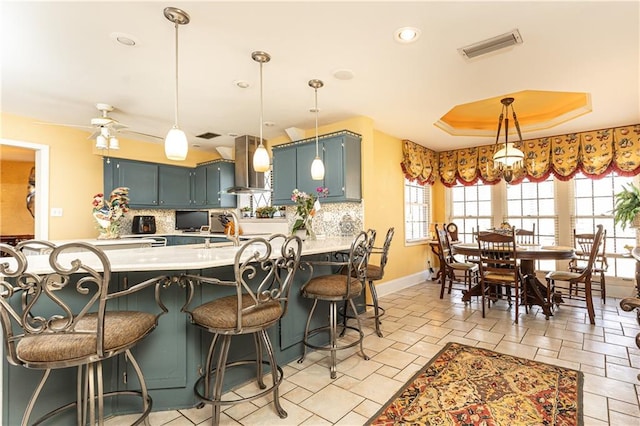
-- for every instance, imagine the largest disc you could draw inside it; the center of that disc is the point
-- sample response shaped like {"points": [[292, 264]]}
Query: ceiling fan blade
{"points": [[65, 125], [140, 133]]}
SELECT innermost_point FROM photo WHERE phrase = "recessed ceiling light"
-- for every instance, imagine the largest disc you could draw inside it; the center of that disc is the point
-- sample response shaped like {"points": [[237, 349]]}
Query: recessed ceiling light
{"points": [[124, 39], [406, 34], [241, 84], [343, 74]]}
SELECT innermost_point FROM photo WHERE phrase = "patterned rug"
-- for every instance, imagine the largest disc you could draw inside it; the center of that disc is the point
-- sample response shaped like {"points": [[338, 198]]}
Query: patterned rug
{"points": [[464, 385]]}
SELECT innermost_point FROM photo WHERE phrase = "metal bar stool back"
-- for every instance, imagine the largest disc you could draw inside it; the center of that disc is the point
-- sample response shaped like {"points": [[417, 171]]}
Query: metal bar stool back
{"points": [[260, 294], [60, 314]]}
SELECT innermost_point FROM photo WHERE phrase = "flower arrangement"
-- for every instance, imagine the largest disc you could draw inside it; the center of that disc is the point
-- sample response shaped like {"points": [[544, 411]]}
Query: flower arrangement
{"points": [[108, 213], [306, 207]]}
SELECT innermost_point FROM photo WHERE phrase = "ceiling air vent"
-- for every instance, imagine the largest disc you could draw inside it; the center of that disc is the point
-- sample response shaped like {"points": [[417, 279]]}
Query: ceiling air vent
{"points": [[491, 45], [208, 135]]}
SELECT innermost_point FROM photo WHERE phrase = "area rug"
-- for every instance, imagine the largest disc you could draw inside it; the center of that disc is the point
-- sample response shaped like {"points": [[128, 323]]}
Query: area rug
{"points": [[464, 385]]}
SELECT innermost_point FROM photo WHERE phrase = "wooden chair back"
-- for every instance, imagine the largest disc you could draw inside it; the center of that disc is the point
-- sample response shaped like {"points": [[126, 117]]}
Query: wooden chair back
{"points": [[525, 236]]}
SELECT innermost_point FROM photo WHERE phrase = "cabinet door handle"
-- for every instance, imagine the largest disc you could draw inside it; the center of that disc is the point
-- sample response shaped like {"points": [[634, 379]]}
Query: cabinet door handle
{"points": [[124, 377]]}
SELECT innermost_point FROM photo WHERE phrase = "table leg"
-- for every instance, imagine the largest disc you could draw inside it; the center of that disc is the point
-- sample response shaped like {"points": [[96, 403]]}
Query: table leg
{"points": [[536, 291]]}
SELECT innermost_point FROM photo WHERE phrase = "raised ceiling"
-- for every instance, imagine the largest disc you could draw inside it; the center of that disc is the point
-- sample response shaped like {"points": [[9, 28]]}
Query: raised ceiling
{"points": [[60, 58]]}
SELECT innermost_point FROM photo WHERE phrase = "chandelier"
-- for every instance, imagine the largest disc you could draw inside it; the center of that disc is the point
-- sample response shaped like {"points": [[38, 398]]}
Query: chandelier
{"points": [[508, 159]]}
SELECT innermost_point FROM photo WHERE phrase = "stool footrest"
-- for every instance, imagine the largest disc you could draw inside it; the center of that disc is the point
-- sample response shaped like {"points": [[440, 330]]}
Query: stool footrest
{"points": [[260, 394], [318, 330]]}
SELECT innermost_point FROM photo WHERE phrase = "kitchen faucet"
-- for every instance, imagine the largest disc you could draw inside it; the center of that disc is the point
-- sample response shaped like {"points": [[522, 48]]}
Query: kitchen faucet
{"points": [[236, 227]]}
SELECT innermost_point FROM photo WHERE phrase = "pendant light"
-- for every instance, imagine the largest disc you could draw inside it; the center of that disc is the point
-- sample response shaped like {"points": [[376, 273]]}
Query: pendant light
{"points": [[508, 159], [317, 167], [261, 160], [175, 143]]}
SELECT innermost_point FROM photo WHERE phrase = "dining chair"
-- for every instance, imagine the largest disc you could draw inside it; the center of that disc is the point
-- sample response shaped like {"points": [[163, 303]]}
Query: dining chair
{"points": [[345, 284], [65, 315], [451, 267], [500, 268], [260, 294], [583, 242], [525, 236], [576, 284]]}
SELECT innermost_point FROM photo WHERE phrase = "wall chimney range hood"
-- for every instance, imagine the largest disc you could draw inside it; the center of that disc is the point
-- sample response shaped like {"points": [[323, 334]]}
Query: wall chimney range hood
{"points": [[248, 181]]}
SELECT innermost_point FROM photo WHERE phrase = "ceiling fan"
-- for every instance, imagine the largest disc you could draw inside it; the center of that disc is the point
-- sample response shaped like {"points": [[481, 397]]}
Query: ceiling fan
{"points": [[105, 128]]}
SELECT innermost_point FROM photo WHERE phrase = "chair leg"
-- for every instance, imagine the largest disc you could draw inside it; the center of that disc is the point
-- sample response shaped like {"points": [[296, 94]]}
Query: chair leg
{"points": [[588, 296], [603, 288], [274, 374], [333, 335], [443, 280], [208, 366], [146, 404], [306, 331]]}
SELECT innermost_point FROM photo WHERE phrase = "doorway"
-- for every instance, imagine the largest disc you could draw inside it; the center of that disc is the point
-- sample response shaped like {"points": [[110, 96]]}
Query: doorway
{"points": [[41, 218]]}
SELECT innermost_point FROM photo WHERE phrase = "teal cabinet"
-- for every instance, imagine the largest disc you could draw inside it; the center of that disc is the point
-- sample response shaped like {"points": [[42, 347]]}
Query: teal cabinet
{"points": [[174, 186], [341, 155], [210, 183], [141, 179], [284, 174]]}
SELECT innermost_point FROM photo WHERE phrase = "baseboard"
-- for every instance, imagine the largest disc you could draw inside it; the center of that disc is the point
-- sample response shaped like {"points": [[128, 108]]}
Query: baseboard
{"points": [[401, 283]]}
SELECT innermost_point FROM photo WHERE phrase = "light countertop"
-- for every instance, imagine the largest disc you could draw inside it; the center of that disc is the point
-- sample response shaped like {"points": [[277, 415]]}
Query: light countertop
{"points": [[175, 258]]}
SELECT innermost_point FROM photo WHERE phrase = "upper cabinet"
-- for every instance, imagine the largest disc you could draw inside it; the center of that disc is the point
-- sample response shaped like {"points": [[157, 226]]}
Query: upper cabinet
{"points": [[154, 185], [340, 153], [210, 184]]}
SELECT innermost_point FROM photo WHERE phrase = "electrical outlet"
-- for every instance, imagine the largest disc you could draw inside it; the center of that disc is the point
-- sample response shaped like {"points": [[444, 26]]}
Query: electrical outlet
{"points": [[56, 211]]}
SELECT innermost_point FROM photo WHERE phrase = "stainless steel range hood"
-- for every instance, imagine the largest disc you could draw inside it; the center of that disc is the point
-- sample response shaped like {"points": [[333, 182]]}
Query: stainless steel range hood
{"points": [[248, 181]]}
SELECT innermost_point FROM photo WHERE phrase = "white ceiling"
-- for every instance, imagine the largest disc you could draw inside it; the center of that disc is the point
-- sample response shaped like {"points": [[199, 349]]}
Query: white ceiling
{"points": [[58, 61]]}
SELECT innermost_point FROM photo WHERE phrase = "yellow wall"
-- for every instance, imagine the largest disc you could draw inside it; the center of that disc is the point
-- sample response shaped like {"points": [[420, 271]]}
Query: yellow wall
{"points": [[15, 218], [75, 170]]}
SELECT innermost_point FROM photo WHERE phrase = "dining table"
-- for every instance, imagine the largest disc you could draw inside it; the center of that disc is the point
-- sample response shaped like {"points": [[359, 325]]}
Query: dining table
{"points": [[537, 292]]}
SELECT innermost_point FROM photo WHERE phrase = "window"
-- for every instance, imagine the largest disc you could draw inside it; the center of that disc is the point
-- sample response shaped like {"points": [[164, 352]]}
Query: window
{"points": [[417, 211], [594, 202], [471, 209], [530, 203]]}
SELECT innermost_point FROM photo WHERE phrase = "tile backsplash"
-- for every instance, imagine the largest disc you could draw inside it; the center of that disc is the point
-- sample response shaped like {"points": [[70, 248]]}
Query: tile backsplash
{"points": [[332, 220]]}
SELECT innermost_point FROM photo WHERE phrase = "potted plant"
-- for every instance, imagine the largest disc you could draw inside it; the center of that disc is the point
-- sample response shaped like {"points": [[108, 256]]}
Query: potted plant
{"points": [[627, 207], [246, 211], [266, 211]]}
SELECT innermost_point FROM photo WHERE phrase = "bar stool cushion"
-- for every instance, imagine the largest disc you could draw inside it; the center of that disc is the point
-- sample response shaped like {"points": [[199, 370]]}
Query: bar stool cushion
{"points": [[222, 313], [374, 272], [332, 286], [121, 330]]}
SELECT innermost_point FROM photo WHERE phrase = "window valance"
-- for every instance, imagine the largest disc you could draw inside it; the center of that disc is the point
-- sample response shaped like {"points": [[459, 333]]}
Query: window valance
{"points": [[596, 153]]}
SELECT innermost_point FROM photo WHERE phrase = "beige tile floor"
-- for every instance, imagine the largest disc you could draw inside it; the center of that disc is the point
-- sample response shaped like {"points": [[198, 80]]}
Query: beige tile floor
{"points": [[416, 326]]}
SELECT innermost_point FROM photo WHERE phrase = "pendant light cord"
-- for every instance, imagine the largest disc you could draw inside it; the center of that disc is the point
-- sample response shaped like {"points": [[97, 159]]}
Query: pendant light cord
{"points": [[176, 93], [261, 105], [316, 90]]}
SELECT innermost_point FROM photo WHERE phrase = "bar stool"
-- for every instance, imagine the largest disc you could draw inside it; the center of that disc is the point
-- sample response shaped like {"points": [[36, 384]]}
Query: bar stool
{"points": [[336, 288], [376, 273], [63, 318], [261, 289]]}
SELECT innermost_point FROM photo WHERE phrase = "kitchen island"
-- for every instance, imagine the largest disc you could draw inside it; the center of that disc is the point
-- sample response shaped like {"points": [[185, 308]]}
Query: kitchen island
{"points": [[172, 355]]}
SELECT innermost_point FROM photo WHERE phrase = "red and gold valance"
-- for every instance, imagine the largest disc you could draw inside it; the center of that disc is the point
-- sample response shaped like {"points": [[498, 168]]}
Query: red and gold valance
{"points": [[595, 153]]}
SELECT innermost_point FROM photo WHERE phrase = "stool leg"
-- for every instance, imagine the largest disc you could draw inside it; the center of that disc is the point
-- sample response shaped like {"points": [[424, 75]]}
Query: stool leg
{"points": [[274, 374], [143, 384], [256, 339], [376, 309], [220, 369], [207, 367], [353, 306], [333, 324], [34, 397], [306, 332]]}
